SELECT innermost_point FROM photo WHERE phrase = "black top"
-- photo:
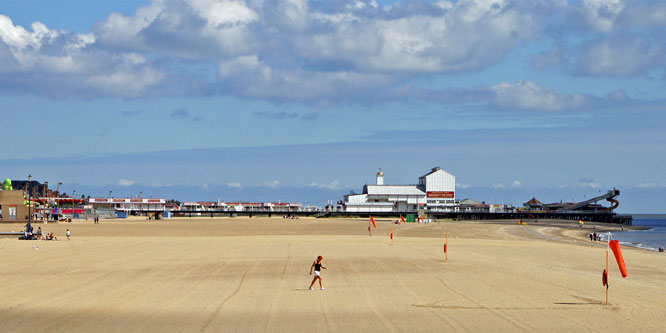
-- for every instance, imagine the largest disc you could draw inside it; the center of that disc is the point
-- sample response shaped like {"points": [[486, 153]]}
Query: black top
{"points": [[317, 267]]}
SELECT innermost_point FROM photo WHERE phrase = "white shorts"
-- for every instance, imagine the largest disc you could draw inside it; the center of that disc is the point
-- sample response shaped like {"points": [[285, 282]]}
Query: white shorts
{"points": [[317, 273]]}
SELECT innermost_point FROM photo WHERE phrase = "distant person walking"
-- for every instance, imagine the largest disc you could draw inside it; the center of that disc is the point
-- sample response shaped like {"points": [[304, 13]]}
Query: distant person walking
{"points": [[317, 266], [68, 234]]}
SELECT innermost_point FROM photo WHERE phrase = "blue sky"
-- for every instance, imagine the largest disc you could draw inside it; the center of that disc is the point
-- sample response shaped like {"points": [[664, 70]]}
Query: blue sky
{"points": [[304, 100]]}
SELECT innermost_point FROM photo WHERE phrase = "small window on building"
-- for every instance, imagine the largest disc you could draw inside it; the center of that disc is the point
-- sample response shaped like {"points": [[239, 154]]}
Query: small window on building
{"points": [[12, 212]]}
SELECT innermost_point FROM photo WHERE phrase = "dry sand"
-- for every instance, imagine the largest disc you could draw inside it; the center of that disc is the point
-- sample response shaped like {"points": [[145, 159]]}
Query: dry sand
{"points": [[242, 274]]}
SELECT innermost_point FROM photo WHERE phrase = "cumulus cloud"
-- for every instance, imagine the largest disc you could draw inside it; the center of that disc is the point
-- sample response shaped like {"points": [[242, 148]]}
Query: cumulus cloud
{"points": [[647, 185], [622, 55], [343, 52], [125, 182], [601, 14], [516, 183], [62, 63], [236, 185], [271, 184], [334, 185], [530, 96]]}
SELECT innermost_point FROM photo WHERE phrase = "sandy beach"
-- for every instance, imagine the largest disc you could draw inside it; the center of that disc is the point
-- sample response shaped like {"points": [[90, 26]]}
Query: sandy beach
{"points": [[252, 274]]}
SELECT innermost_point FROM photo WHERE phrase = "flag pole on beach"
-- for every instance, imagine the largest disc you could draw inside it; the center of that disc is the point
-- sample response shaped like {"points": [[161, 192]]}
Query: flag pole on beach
{"points": [[605, 276], [614, 245], [373, 224], [446, 248]]}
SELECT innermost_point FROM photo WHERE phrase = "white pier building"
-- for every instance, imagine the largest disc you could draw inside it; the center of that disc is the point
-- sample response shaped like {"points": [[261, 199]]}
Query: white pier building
{"points": [[436, 191]]}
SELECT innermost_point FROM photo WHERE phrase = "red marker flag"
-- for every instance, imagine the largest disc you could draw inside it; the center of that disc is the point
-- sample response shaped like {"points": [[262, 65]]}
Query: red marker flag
{"points": [[446, 247], [615, 246], [391, 236], [373, 222], [604, 278], [403, 219]]}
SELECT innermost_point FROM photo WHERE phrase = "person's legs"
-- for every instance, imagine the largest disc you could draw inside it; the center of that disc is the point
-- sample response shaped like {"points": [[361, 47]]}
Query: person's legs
{"points": [[313, 281], [320, 282]]}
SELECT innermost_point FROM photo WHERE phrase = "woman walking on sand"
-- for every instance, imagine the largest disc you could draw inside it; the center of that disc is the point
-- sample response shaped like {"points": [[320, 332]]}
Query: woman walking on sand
{"points": [[317, 266]]}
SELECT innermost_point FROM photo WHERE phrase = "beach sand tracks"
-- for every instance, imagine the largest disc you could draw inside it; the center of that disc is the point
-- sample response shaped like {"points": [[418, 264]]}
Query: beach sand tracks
{"points": [[415, 290], [207, 324], [272, 319], [363, 282]]}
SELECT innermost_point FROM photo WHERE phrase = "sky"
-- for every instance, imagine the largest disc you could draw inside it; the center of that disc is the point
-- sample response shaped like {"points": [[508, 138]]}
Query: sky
{"points": [[295, 100]]}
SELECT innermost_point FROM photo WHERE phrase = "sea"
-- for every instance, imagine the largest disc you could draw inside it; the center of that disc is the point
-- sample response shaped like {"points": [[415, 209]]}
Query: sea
{"points": [[649, 239]]}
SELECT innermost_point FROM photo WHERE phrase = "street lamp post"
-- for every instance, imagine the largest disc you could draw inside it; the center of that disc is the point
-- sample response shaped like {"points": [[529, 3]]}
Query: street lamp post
{"points": [[29, 227], [58, 199], [44, 193]]}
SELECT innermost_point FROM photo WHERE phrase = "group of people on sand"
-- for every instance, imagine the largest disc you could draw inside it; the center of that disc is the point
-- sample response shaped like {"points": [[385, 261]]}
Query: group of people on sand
{"points": [[49, 236], [595, 236], [290, 217]]}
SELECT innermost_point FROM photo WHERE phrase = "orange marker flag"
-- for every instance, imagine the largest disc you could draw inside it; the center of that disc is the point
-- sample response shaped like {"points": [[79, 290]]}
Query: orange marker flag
{"points": [[403, 219], [615, 246], [373, 222]]}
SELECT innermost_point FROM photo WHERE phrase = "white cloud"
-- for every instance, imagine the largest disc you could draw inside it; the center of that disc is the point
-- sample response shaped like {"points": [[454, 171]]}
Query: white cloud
{"points": [[125, 182], [334, 185], [516, 183], [61, 63], [234, 185], [462, 186], [647, 185], [498, 186], [530, 96], [204, 186], [625, 55], [601, 14], [271, 184], [302, 51], [585, 182]]}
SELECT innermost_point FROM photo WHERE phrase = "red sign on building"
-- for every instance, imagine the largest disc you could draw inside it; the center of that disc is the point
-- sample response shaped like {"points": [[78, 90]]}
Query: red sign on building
{"points": [[438, 194]]}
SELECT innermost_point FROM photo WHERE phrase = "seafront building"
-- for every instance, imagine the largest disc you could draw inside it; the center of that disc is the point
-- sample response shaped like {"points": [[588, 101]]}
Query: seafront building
{"points": [[435, 191]]}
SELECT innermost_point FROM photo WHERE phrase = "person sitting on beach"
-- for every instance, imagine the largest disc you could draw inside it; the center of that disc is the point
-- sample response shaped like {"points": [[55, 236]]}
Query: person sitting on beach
{"points": [[661, 248], [317, 266]]}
